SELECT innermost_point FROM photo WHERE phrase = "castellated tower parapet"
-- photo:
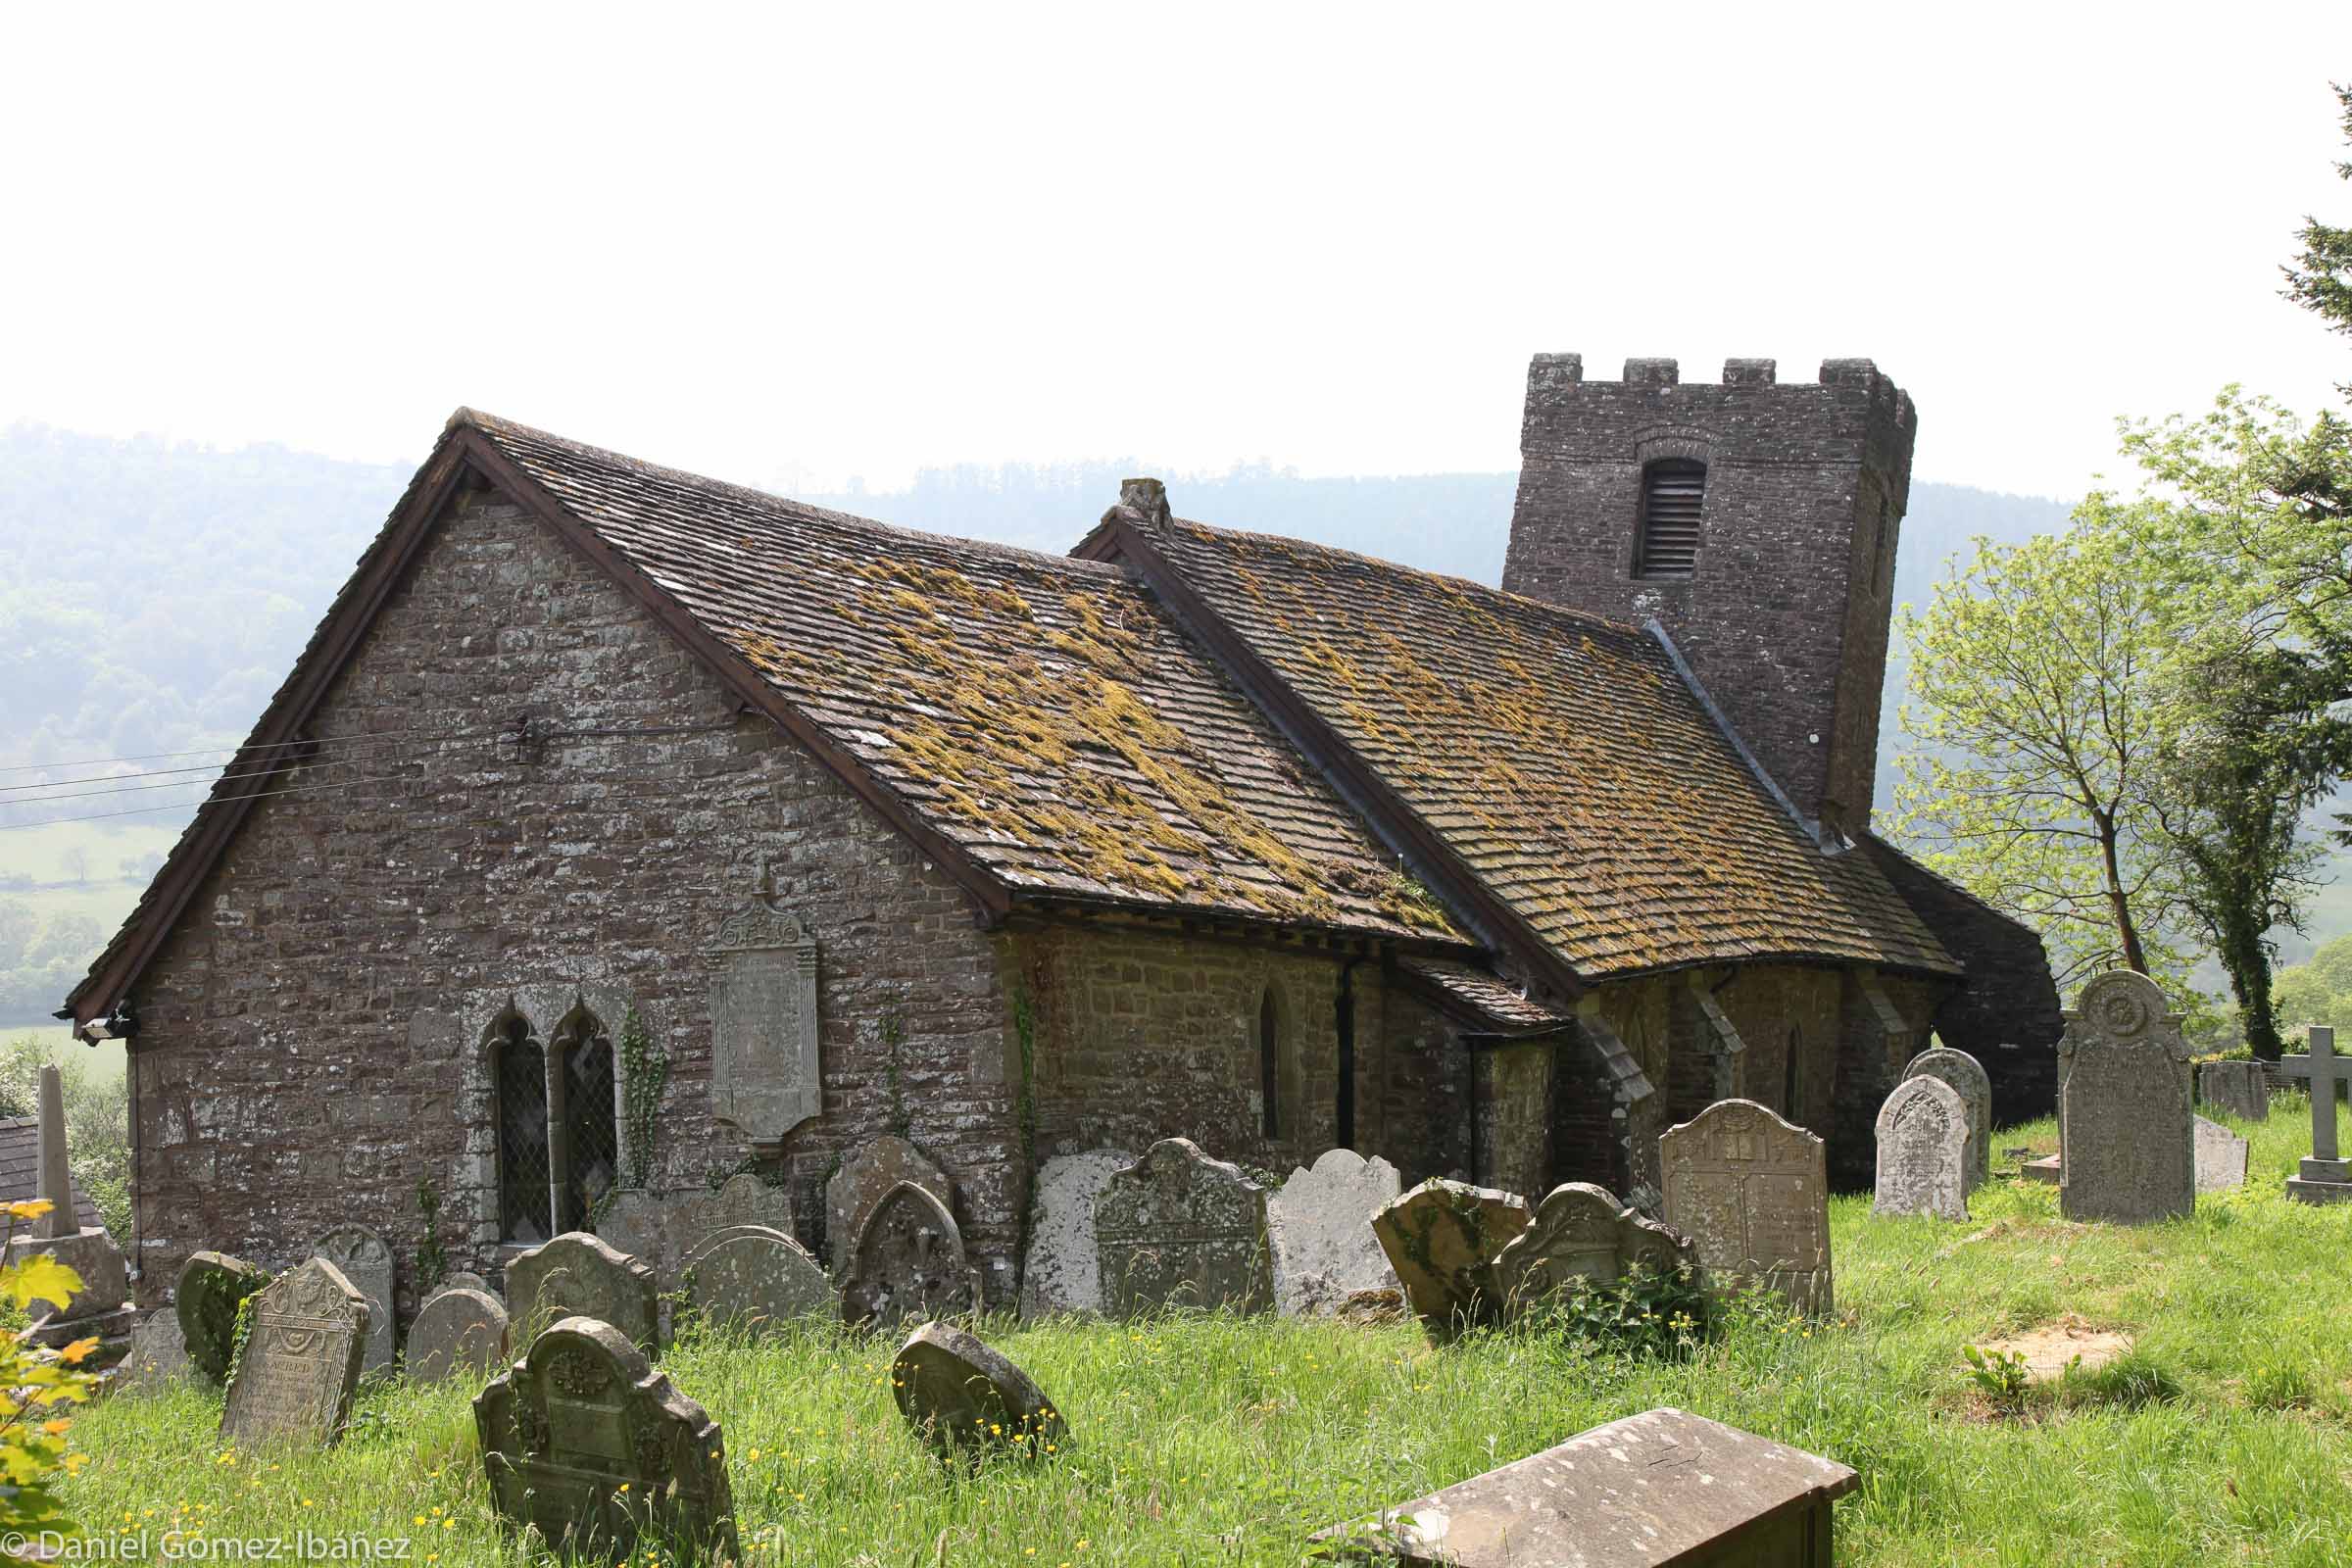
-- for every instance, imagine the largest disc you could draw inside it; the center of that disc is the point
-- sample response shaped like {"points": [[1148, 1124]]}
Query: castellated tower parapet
{"points": [[1755, 520]]}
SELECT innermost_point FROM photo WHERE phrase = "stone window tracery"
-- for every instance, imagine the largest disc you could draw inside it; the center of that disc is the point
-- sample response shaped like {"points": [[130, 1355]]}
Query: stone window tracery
{"points": [[555, 1110]]}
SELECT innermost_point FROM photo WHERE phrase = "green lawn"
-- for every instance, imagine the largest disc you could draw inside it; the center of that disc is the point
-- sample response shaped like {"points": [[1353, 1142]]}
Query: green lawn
{"points": [[2227, 1439]]}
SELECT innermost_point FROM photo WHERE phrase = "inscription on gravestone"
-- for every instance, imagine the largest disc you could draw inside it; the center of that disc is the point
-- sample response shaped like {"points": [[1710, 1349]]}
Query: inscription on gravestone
{"points": [[2126, 1150], [1180, 1229], [1974, 1085], [764, 1073], [1924, 1140], [301, 1360], [1751, 1192]]}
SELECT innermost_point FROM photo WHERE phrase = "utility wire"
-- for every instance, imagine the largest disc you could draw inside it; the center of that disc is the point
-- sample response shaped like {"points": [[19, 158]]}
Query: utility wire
{"points": [[325, 743], [213, 774], [151, 757]]}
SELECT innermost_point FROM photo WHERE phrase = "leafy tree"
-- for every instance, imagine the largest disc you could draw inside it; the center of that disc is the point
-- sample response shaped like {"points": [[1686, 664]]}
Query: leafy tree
{"points": [[2320, 277], [97, 1122], [2317, 990]]}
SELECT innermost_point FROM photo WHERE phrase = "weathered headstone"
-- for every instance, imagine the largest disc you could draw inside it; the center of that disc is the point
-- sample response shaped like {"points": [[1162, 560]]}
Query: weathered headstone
{"points": [[1968, 1078], [1581, 1232], [1751, 1192], [459, 1333], [463, 1279], [1653, 1490], [158, 1357], [865, 1179], [766, 1078], [661, 1228], [1445, 1239], [2125, 1154], [1179, 1229], [910, 1262], [755, 1278], [2221, 1157], [1319, 1230], [963, 1396], [2322, 1178], [1923, 1141], [577, 1275], [1063, 1271], [366, 1260], [2240, 1088], [584, 1440], [300, 1361], [206, 1297], [99, 1307]]}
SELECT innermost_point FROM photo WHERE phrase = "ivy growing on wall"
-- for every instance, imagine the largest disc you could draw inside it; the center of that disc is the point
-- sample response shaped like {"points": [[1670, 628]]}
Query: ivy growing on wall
{"points": [[643, 1073]]}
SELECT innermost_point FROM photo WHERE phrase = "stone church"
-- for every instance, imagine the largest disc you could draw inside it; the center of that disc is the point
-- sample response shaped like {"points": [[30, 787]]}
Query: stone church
{"points": [[619, 827]]}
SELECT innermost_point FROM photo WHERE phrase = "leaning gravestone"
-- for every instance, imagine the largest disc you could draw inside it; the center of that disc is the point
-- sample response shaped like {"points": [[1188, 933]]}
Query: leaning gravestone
{"points": [[865, 1180], [2221, 1157], [2125, 1151], [206, 1297], [158, 1357], [1319, 1229], [1751, 1192], [576, 1275], [910, 1262], [2239, 1087], [585, 1441], [301, 1360], [459, 1333], [1064, 1273], [1581, 1232], [365, 1260], [1445, 1239], [755, 1278], [1924, 1140], [1179, 1229], [961, 1397], [1974, 1085], [463, 1280]]}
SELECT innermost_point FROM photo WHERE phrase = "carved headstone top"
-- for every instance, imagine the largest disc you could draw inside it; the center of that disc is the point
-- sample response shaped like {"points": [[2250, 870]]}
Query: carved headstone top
{"points": [[1969, 1079], [1582, 1232], [577, 1275], [1445, 1239], [910, 1262], [1751, 1192], [586, 1441], [1063, 1271], [765, 1075], [1924, 1140], [459, 1333], [1180, 1229], [2126, 1152], [1319, 1228], [857, 1188], [206, 1297], [366, 1261], [755, 1278], [301, 1359], [963, 1396]]}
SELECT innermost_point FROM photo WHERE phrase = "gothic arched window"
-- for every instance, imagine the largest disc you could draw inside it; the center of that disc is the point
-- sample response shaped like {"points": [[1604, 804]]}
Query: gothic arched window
{"points": [[588, 1149], [1674, 491], [519, 1084]]}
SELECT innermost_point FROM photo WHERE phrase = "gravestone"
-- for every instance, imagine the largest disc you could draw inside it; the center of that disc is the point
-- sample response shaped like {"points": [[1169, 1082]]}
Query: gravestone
{"points": [[1063, 1272], [1581, 1232], [1653, 1490], [2221, 1157], [1751, 1192], [459, 1333], [1923, 1141], [465, 1279], [363, 1259], [99, 1309], [2323, 1177], [585, 1441], [2240, 1088], [964, 1398], [205, 1297], [755, 1279], [577, 1275], [301, 1360], [1974, 1085], [661, 1228], [2126, 1152], [766, 1076], [865, 1179], [1445, 1239], [910, 1262], [1179, 1229], [1319, 1230], [158, 1357]]}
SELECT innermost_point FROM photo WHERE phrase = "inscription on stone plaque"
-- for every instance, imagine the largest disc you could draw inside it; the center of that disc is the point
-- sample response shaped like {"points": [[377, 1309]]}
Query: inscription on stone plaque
{"points": [[1751, 1193], [301, 1360], [765, 1078]]}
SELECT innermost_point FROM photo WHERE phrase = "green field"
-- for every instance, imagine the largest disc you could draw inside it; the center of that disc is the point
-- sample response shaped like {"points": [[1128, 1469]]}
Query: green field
{"points": [[2225, 1437]]}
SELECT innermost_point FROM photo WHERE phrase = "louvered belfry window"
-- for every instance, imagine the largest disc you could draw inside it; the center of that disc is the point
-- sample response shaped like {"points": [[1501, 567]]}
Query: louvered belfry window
{"points": [[1673, 490]]}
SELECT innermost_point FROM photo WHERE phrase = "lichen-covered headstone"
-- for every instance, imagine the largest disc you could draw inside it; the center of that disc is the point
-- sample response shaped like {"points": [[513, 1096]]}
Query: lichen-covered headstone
{"points": [[1924, 1140], [1063, 1271], [865, 1180], [585, 1441], [755, 1279], [661, 1228], [2221, 1157], [158, 1357], [363, 1259], [1751, 1192], [577, 1275], [2126, 1150], [294, 1379], [1179, 1229], [1445, 1239], [205, 1297], [1581, 1232], [1969, 1079], [459, 1333], [964, 1398], [1319, 1229], [2237, 1086], [910, 1262]]}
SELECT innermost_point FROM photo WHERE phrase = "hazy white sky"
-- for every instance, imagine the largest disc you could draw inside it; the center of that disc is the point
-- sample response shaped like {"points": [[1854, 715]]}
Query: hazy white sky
{"points": [[796, 245]]}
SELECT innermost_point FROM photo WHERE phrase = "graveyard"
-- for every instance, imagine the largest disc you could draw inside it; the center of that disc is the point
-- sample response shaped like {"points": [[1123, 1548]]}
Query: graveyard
{"points": [[2223, 1434]]}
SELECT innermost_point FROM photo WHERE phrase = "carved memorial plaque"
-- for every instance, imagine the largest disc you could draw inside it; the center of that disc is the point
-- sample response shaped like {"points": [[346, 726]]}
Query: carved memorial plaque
{"points": [[366, 1261], [300, 1361], [1752, 1193], [764, 1077], [909, 1262]]}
